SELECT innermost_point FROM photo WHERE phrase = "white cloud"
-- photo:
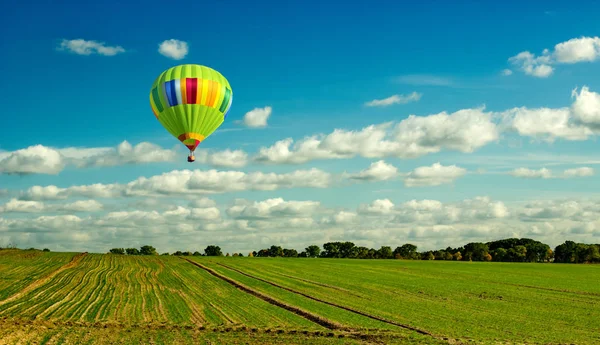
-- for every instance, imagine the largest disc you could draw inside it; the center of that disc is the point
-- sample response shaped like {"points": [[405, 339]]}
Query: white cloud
{"points": [[82, 206], [15, 205], [584, 49], [544, 173], [377, 207], [257, 117], [532, 65], [276, 207], [544, 123], [528, 173], [40, 159], [83, 47], [174, 49], [579, 172], [250, 225], [181, 182], [186, 182], [227, 158], [36, 159], [123, 154], [586, 108], [31, 206], [433, 175], [465, 131], [395, 99], [507, 72], [377, 171], [575, 50]]}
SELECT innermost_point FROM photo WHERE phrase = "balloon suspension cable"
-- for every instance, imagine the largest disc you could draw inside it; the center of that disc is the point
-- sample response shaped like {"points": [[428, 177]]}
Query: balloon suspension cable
{"points": [[191, 157]]}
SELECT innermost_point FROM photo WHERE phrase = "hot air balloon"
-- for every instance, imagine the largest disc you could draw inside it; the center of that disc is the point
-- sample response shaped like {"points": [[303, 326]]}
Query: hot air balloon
{"points": [[191, 102]]}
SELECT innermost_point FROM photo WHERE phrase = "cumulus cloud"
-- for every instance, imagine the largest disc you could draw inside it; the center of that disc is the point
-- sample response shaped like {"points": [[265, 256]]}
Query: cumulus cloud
{"points": [[174, 49], [40, 159], [31, 206], [575, 50], [186, 182], [544, 173], [395, 99], [465, 131], [276, 207], [253, 224], [377, 171], [544, 124], [84, 47], [507, 72], [529, 173], [257, 117], [433, 175], [585, 109], [226, 159], [36, 159]]}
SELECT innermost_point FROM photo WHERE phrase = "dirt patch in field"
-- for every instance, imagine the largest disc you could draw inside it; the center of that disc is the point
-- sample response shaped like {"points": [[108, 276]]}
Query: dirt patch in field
{"points": [[303, 313], [420, 331], [74, 261]]}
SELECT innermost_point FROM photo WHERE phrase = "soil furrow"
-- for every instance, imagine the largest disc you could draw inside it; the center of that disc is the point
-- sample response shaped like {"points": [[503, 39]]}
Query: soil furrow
{"points": [[303, 313], [323, 285], [420, 331]]}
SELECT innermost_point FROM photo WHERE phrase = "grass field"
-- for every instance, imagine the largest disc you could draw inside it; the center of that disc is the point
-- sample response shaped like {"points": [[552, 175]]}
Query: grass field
{"points": [[70, 298]]}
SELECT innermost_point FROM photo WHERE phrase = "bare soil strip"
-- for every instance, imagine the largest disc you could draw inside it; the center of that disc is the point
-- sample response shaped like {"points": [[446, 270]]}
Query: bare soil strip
{"points": [[303, 313], [45, 279], [22, 330], [420, 331]]}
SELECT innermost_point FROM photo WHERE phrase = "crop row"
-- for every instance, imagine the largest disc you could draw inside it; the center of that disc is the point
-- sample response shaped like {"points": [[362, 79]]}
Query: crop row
{"points": [[19, 269], [155, 290]]}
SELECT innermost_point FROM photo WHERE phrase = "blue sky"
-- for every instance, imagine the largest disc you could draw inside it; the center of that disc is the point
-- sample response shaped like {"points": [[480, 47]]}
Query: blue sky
{"points": [[486, 137]]}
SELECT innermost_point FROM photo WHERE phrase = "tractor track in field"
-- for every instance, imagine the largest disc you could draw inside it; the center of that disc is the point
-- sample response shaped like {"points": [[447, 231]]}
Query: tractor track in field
{"points": [[408, 327], [581, 293], [300, 312], [74, 261], [323, 285]]}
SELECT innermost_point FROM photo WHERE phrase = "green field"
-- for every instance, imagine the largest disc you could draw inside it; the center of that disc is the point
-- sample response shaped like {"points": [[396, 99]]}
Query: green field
{"points": [[70, 298]]}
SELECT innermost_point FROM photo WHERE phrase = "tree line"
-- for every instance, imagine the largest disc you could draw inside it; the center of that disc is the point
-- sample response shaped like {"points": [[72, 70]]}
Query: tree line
{"points": [[506, 250]]}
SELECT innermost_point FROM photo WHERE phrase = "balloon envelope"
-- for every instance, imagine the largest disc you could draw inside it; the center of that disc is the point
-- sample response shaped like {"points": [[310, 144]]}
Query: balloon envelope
{"points": [[191, 102]]}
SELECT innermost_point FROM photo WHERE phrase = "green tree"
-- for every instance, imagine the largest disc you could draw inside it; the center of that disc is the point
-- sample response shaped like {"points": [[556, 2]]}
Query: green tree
{"points": [[407, 251], [213, 250], [46, 250], [385, 252], [275, 251], [500, 254], [313, 251], [132, 251], [120, 251], [290, 253], [197, 253], [148, 250]]}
